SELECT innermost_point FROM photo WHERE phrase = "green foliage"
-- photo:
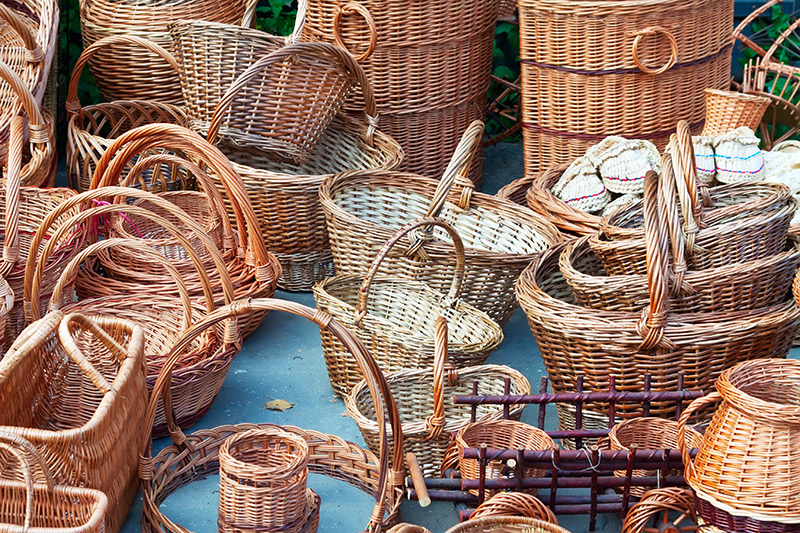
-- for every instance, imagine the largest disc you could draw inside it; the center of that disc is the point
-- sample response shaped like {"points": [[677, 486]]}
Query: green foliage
{"points": [[276, 16], [505, 59], [766, 32], [71, 48]]}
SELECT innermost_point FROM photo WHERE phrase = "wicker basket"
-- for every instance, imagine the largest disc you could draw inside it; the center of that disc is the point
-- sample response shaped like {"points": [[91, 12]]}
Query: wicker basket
{"points": [[540, 199], [75, 388], [575, 340], [285, 96], [92, 129], [514, 504], [40, 504], [429, 63], [381, 477], [363, 210], [728, 110], [395, 317], [656, 505], [427, 420], [123, 72], [517, 190], [631, 68], [745, 466], [506, 524]]}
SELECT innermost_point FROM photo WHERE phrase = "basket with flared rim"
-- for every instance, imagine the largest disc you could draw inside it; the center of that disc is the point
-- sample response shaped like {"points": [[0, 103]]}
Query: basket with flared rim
{"points": [[728, 110], [428, 417], [395, 317], [364, 208]]}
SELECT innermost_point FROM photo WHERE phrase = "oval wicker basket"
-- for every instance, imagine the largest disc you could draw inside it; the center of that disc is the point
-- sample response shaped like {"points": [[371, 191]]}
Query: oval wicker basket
{"points": [[506, 524], [657, 504], [514, 504], [540, 198]]}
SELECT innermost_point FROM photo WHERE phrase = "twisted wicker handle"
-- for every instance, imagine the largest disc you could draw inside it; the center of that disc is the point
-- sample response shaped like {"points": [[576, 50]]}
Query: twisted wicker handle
{"points": [[671, 218], [13, 183], [360, 9], [73, 104], [458, 170], [299, 22], [249, 16], [29, 453], [435, 423], [33, 52], [427, 223], [336, 54], [391, 473], [27, 476], [689, 472], [673, 45]]}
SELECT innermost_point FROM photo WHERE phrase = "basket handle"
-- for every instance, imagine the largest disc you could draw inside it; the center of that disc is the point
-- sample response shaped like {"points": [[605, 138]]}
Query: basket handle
{"points": [[360, 9], [673, 46], [689, 472], [671, 218], [336, 54], [249, 16], [73, 104], [299, 22], [427, 224], [434, 424], [391, 471], [26, 454], [13, 182], [33, 52]]}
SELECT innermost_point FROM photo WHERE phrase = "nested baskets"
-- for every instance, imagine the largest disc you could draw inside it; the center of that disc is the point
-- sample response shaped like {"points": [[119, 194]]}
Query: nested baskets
{"points": [[428, 417], [92, 129], [657, 59], [394, 317], [728, 110], [262, 481], [364, 208], [429, 63], [123, 72], [506, 524], [75, 388], [745, 470]]}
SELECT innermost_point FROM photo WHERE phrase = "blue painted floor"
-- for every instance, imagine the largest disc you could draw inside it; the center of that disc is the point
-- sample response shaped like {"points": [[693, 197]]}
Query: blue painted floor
{"points": [[283, 359]]}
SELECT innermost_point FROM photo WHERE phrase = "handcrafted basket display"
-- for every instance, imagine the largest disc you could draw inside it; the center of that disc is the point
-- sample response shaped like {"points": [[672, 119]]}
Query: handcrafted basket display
{"points": [[285, 97], [92, 129], [429, 63], [540, 199], [495, 434], [428, 417], [40, 504], [506, 524], [653, 511], [597, 344], [745, 466], [380, 477], [658, 56], [123, 72], [728, 110], [517, 190], [395, 317], [363, 210], [262, 487], [75, 388], [514, 504]]}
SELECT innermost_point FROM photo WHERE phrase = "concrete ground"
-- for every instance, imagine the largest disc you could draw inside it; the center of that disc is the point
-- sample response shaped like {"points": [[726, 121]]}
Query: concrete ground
{"points": [[283, 359]]}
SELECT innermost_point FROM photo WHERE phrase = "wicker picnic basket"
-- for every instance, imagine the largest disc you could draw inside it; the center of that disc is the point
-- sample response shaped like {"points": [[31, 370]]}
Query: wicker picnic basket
{"points": [[429, 63], [744, 470], [125, 72], [657, 504], [517, 190], [506, 524], [381, 477], [37, 503], [597, 344], [92, 129], [364, 208], [75, 388], [631, 68], [514, 504], [728, 110], [395, 317], [428, 419]]}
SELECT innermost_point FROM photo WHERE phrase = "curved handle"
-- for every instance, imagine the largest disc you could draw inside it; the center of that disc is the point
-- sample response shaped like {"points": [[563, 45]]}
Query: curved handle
{"points": [[360, 9], [27, 476], [434, 424], [249, 16], [33, 52], [299, 22], [16, 138], [673, 45], [670, 216], [73, 104], [685, 169], [689, 472], [428, 223], [337, 55]]}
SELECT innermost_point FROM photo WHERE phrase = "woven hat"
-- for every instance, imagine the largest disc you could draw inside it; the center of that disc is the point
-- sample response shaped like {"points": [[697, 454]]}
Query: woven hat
{"points": [[581, 188], [738, 156], [622, 201], [704, 159], [622, 163]]}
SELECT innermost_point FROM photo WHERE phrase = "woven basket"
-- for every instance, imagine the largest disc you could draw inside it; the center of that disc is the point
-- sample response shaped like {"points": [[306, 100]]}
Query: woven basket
{"points": [[427, 419], [540, 199], [631, 68], [381, 477], [506, 524], [75, 388], [746, 464], [363, 210], [285, 96], [514, 504], [654, 508], [40, 504], [575, 340], [123, 72], [394, 317], [92, 129], [517, 190], [728, 110]]}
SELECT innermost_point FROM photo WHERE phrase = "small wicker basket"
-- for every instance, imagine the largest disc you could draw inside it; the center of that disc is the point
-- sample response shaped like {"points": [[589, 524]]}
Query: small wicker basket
{"points": [[728, 110]]}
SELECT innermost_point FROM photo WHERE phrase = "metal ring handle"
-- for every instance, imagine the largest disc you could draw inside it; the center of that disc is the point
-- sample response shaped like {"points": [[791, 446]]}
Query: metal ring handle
{"points": [[673, 45], [348, 8]]}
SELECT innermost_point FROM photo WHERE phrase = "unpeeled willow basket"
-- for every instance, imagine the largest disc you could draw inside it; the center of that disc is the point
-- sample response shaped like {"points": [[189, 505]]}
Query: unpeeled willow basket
{"points": [[363, 209], [395, 317], [381, 477], [75, 388], [427, 415], [92, 129]]}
